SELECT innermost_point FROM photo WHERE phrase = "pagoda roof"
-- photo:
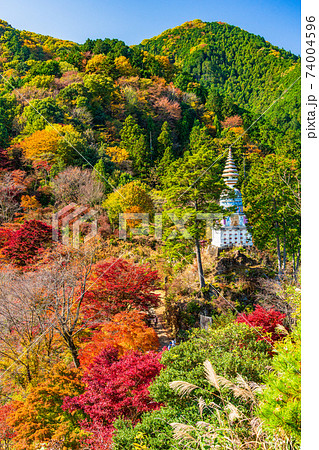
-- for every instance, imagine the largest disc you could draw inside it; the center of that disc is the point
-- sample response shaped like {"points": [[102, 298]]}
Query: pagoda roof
{"points": [[230, 173]]}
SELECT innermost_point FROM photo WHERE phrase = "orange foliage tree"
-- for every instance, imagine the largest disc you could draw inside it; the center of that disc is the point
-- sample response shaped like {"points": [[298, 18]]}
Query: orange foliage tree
{"points": [[40, 418], [28, 202], [41, 144], [232, 122], [126, 331]]}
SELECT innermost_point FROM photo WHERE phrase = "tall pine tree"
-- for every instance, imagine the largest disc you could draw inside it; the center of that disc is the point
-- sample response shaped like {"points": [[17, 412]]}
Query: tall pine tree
{"points": [[135, 142]]}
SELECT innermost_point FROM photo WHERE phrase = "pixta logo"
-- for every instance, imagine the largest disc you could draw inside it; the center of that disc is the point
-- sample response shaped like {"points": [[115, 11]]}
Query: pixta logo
{"points": [[139, 224], [66, 224]]}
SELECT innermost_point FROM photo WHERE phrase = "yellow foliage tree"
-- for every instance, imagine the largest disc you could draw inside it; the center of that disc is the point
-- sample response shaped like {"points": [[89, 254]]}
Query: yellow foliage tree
{"points": [[124, 199], [31, 207], [208, 119], [123, 66], [117, 154], [29, 203], [97, 64], [41, 81]]}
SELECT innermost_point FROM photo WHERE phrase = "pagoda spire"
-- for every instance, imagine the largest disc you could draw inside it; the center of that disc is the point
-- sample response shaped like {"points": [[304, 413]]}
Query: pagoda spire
{"points": [[230, 173]]}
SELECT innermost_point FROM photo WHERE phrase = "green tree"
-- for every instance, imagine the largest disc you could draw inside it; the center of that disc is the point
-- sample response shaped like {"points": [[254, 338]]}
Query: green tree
{"points": [[164, 140], [40, 112], [280, 402], [7, 113], [272, 204], [74, 149], [135, 142], [165, 162], [214, 103], [103, 169], [217, 125], [164, 151], [45, 68], [101, 88], [192, 186]]}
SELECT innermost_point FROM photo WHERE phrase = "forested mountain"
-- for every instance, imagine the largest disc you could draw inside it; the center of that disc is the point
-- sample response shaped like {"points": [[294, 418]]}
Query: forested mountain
{"points": [[229, 60], [20, 46], [92, 131]]}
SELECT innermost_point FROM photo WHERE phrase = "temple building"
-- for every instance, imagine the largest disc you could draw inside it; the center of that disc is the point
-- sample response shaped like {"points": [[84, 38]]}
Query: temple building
{"points": [[233, 231]]}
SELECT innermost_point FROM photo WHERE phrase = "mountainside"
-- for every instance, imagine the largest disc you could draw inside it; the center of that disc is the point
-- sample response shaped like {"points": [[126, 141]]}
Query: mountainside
{"points": [[220, 71], [20, 45], [218, 56], [95, 133], [232, 61]]}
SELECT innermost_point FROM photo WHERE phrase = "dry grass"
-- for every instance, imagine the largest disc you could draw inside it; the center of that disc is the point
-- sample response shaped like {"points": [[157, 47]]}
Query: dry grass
{"points": [[227, 431]]}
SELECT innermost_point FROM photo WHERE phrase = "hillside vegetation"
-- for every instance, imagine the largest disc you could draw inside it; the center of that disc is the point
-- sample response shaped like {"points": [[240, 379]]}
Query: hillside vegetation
{"points": [[91, 132], [226, 58]]}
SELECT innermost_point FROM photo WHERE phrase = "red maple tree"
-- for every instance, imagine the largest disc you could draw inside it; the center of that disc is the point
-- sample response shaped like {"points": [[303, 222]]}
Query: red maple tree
{"points": [[115, 387], [24, 245], [118, 285]]}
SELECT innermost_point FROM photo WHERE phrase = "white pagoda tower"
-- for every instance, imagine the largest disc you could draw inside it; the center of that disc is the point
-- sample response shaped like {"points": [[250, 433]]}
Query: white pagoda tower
{"points": [[233, 231]]}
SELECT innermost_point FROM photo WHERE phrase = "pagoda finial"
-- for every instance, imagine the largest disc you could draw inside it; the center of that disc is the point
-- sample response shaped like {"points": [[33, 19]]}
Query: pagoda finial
{"points": [[230, 173]]}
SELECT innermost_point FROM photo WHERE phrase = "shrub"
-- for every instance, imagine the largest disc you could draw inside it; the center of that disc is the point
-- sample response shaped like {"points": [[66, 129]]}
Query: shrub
{"points": [[268, 321], [280, 407]]}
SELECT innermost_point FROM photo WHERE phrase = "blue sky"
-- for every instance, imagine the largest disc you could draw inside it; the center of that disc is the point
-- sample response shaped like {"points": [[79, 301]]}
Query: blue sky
{"points": [[135, 20]]}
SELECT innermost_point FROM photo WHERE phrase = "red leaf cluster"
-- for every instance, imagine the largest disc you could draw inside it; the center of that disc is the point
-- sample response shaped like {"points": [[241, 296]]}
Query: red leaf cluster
{"points": [[6, 431], [115, 387], [5, 235], [266, 320], [232, 122], [117, 285], [23, 246]]}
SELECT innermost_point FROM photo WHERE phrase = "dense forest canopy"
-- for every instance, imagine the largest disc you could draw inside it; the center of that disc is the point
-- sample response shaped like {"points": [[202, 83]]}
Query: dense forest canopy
{"points": [[226, 58]]}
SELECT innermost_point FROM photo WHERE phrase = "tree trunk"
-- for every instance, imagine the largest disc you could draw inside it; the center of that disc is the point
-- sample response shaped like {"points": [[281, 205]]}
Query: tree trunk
{"points": [[298, 260], [28, 372], [296, 264], [278, 250], [275, 211], [74, 351], [284, 247], [199, 256], [284, 255], [199, 265]]}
